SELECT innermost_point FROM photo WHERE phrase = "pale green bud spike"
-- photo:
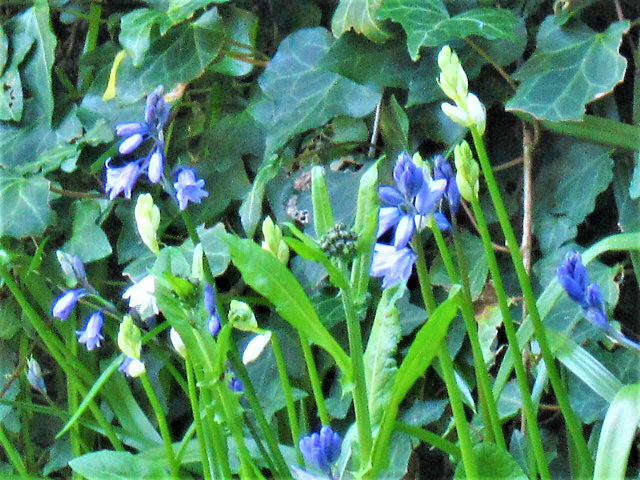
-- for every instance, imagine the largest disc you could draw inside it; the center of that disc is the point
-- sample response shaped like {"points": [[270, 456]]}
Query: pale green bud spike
{"points": [[241, 317], [418, 160], [453, 79], [467, 172], [197, 265], [129, 338], [273, 240], [148, 221]]}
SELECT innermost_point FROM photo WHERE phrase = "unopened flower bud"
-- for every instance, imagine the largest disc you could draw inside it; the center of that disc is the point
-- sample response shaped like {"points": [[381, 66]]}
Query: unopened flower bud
{"points": [[255, 347], [273, 240], [340, 242], [241, 316], [177, 343], [148, 221], [456, 114], [132, 367], [468, 172], [129, 338], [477, 113], [453, 80], [34, 376], [73, 269]]}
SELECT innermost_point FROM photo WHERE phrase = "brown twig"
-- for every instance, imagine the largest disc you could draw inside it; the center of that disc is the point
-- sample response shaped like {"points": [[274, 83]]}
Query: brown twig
{"points": [[510, 164], [473, 221], [376, 130], [498, 68], [527, 197], [73, 194]]}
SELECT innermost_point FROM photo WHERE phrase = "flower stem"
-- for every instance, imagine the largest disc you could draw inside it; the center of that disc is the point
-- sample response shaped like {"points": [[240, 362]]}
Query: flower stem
{"points": [[314, 378], [512, 338], [573, 423], [162, 424], [455, 397], [12, 453], [360, 403], [487, 401], [207, 471], [288, 395]]}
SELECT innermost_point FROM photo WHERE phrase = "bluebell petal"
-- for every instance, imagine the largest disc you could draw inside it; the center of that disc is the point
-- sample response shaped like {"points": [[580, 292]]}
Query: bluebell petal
{"points": [[129, 144], [132, 128], [442, 221], [393, 265], [390, 195], [387, 217], [156, 165], [429, 195], [404, 231], [594, 297], [597, 317], [300, 474]]}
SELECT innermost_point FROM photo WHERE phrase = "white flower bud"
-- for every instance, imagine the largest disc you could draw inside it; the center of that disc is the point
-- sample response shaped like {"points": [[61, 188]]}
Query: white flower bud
{"points": [[177, 343], [456, 114], [477, 112], [148, 221], [255, 347]]}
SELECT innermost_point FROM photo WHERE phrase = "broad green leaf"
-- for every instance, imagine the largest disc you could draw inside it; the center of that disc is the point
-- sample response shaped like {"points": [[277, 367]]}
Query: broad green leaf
{"points": [[359, 15], [379, 357], [110, 465], [251, 208], [179, 56], [618, 433], [4, 50], [214, 248], [88, 241], [24, 203], [11, 95], [428, 23], [37, 70], [135, 31], [269, 277], [570, 68], [322, 212], [241, 26], [574, 175], [394, 126], [299, 96], [180, 10], [493, 462]]}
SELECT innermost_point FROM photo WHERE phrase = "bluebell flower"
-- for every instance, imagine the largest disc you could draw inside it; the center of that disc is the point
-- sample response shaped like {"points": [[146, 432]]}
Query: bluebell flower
{"points": [[65, 304], [132, 367], [189, 188], [236, 385], [213, 325], [121, 179], [393, 265], [34, 376], [442, 169], [91, 336], [321, 450], [415, 197]]}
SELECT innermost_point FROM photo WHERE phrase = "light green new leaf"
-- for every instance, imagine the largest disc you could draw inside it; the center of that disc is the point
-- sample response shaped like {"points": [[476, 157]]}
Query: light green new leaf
{"points": [[570, 68], [88, 241], [618, 433], [251, 208], [269, 277], [110, 465], [359, 15], [494, 463], [428, 23], [379, 357], [300, 96], [24, 204], [322, 212]]}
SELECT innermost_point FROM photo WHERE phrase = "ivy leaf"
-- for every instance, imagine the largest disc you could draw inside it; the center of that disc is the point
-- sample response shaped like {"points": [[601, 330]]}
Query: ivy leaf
{"points": [[570, 68], [300, 96], [359, 15], [24, 203], [242, 27], [4, 49], [179, 56], [428, 23], [88, 241], [135, 31], [571, 182]]}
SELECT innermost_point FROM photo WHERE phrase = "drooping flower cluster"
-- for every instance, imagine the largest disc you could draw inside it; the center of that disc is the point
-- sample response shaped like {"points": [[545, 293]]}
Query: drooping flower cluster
{"points": [[122, 179], [406, 208], [574, 278], [320, 450], [189, 187]]}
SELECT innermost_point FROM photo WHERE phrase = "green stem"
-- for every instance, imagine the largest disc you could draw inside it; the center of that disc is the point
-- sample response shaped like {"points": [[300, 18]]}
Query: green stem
{"points": [[72, 398], [510, 330], [360, 403], [288, 395], [314, 378], [207, 471], [455, 397], [488, 405], [12, 453], [573, 423], [236, 363], [58, 352], [162, 424], [217, 437], [431, 438]]}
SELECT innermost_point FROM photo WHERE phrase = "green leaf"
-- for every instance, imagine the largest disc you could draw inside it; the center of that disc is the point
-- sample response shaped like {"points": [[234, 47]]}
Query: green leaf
{"points": [[394, 126], [242, 27], [180, 10], [11, 95], [618, 433], [322, 212], [570, 68], [4, 49], [575, 174], [428, 23], [493, 462], [135, 31], [24, 203], [110, 465], [179, 56], [379, 357], [88, 241], [251, 208], [269, 277], [359, 15], [299, 96]]}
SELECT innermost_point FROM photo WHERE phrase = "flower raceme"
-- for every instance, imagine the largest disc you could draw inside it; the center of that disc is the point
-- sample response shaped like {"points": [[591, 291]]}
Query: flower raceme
{"points": [[320, 450], [91, 336]]}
